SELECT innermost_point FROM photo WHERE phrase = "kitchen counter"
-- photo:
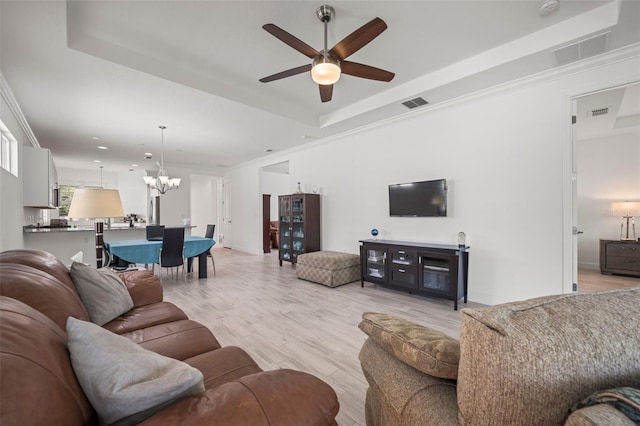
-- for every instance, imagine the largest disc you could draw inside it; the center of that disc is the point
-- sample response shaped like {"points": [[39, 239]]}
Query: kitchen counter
{"points": [[118, 227], [45, 230], [66, 242]]}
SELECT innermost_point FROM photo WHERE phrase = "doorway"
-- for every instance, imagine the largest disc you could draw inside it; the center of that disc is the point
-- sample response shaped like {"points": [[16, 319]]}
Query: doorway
{"points": [[274, 181], [266, 223], [226, 236], [606, 166]]}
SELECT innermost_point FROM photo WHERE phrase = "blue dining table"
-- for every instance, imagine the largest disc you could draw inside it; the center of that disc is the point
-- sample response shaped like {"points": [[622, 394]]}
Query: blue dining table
{"points": [[145, 251]]}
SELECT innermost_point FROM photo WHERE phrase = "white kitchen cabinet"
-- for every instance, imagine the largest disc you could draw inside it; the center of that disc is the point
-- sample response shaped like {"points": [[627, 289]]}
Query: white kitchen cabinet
{"points": [[40, 179]]}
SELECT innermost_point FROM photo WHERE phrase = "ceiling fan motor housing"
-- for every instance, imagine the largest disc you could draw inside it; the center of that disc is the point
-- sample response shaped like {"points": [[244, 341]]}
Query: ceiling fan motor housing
{"points": [[325, 13]]}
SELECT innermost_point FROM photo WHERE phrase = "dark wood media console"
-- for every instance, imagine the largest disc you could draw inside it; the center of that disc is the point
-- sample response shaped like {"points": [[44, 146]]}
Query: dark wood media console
{"points": [[437, 270]]}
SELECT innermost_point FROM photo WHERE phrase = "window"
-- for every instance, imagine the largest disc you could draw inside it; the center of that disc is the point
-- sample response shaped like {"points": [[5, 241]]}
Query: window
{"points": [[66, 194], [8, 150]]}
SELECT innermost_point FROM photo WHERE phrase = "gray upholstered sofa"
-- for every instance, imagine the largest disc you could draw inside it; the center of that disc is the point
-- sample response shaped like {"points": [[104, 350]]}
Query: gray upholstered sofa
{"points": [[522, 363]]}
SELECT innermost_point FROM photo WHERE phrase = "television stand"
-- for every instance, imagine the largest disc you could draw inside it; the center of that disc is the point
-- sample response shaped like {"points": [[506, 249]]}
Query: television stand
{"points": [[435, 270]]}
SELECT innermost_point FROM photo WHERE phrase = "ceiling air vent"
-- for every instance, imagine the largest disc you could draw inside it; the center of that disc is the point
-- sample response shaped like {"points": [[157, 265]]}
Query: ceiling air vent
{"points": [[583, 49], [600, 111], [416, 102]]}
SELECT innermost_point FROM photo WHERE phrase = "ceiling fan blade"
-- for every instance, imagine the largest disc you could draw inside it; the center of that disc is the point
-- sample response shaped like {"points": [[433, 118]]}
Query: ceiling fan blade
{"points": [[365, 71], [326, 91], [291, 40], [358, 39], [287, 73]]}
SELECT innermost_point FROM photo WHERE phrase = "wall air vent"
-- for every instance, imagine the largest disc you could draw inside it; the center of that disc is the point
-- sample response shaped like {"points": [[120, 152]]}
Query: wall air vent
{"points": [[416, 102], [581, 50], [599, 111]]}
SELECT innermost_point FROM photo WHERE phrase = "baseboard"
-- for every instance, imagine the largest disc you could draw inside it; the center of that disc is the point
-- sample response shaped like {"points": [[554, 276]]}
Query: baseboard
{"points": [[589, 265]]}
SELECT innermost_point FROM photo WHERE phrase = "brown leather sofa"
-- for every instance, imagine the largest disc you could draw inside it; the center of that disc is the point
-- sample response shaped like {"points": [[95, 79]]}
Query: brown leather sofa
{"points": [[38, 384]]}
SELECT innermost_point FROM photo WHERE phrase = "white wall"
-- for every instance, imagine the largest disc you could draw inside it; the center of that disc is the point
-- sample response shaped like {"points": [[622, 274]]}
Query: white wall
{"points": [[11, 210], [608, 171], [204, 200], [274, 184], [504, 155]]}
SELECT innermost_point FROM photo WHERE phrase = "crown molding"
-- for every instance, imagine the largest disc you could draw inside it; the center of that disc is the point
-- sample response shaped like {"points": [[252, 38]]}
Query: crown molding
{"points": [[7, 95]]}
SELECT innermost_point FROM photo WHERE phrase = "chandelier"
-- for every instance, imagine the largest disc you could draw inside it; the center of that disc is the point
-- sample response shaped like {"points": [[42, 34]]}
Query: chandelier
{"points": [[162, 182]]}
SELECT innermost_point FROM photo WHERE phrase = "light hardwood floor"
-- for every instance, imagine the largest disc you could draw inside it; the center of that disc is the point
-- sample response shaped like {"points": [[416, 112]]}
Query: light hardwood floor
{"points": [[283, 322], [590, 280]]}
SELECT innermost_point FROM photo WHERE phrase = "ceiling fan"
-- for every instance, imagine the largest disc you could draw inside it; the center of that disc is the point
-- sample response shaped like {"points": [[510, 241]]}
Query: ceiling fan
{"points": [[328, 64]]}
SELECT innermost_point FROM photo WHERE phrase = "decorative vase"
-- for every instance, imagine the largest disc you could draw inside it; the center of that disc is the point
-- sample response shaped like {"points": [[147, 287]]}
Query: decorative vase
{"points": [[299, 189]]}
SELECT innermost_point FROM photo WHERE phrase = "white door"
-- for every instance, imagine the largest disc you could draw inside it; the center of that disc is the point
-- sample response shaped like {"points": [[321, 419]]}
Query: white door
{"points": [[574, 195], [225, 238]]}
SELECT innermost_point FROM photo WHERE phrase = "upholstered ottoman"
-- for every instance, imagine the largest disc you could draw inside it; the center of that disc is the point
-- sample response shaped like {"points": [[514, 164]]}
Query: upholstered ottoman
{"points": [[328, 267]]}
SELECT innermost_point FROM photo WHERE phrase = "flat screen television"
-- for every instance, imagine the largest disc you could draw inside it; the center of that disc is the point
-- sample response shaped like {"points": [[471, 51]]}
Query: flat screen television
{"points": [[419, 199]]}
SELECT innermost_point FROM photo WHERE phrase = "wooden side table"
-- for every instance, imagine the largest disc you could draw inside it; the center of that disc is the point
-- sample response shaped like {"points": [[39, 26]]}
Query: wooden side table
{"points": [[620, 257]]}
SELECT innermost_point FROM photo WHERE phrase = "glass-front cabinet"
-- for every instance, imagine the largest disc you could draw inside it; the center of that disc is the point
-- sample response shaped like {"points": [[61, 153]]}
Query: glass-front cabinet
{"points": [[299, 225]]}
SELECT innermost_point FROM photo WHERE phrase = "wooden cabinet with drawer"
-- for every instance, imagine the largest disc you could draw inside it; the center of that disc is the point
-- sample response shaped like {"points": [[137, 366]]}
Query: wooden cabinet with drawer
{"points": [[403, 268], [438, 270], [620, 257]]}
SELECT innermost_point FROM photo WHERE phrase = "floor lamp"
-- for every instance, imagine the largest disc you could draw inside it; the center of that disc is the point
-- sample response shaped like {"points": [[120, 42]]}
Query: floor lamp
{"points": [[96, 204], [627, 210]]}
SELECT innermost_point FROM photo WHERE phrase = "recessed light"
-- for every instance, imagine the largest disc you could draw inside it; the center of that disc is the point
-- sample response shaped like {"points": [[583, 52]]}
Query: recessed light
{"points": [[97, 161], [95, 138], [134, 165], [269, 150], [130, 170], [148, 153], [102, 147]]}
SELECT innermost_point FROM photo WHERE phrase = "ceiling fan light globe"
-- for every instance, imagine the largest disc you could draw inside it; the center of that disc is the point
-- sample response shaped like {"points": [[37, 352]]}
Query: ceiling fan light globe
{"points": [[325, 72]]}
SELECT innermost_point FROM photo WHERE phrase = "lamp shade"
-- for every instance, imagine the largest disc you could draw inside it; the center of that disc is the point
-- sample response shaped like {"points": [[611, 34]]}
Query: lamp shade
{"points": [[625, 208], [95, 203]]}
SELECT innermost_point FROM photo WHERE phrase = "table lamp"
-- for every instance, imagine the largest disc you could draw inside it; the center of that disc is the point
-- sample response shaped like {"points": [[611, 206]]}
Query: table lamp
{"points": [[627, 210], [96, 204]]}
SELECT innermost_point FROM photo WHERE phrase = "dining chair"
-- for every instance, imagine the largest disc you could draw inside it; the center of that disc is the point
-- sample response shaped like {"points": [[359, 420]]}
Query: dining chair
{"points": [[209, 234], [172, 251], [154, 232]]}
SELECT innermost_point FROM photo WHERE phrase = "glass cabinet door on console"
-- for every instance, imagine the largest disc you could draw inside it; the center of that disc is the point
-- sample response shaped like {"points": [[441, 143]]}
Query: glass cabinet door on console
{"points": [[299, 225], [376, 265], [439, 273]]}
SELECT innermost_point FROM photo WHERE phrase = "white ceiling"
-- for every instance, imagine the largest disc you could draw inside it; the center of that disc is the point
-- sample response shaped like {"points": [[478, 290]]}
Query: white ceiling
{"points": [[118, 69]]}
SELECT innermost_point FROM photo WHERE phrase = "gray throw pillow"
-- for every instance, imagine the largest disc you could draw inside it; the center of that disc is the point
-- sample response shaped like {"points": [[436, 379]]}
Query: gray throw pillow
{"points": [[103, 293], [124, 382]]}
